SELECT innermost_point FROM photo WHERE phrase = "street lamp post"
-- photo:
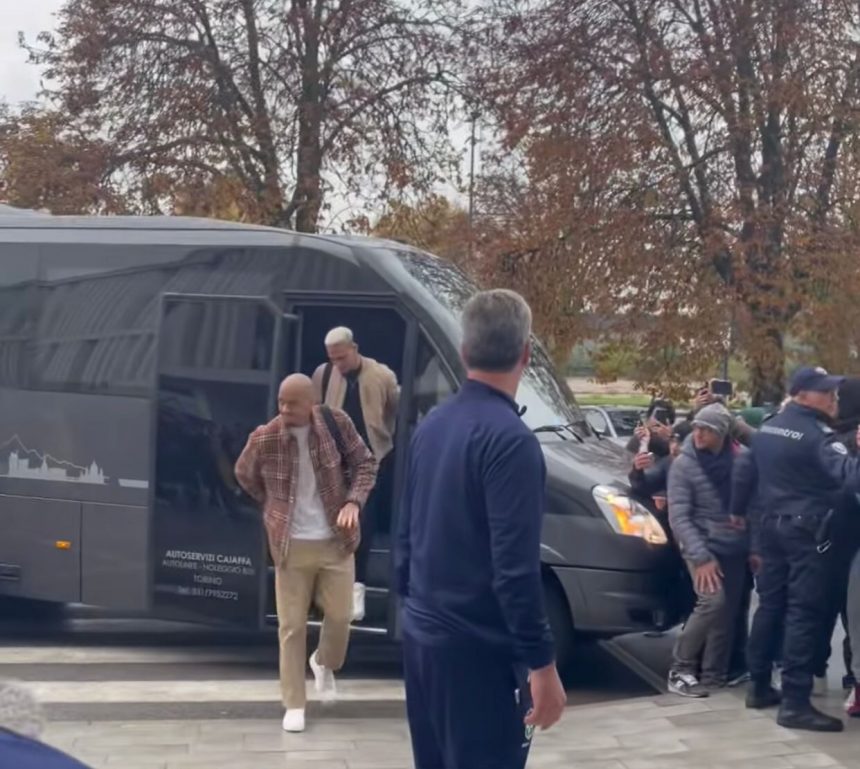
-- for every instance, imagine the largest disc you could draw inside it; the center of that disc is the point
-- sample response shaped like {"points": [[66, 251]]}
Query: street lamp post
{"points": [[474, 118]]}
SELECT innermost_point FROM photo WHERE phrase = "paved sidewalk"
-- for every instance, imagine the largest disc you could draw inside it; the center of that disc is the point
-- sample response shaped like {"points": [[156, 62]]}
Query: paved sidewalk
{"points": [[647, 733]]}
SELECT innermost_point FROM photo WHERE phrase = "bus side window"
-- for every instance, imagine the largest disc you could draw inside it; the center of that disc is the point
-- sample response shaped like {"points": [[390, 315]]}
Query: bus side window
{"points": [[432, 381]]}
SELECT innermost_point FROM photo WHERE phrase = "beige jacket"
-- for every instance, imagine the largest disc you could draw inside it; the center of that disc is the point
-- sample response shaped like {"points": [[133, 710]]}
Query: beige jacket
{"points": [[379, 393]]}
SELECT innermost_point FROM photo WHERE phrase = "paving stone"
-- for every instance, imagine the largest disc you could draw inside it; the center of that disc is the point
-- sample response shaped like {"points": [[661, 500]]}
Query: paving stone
{"points": [[812, 761]]}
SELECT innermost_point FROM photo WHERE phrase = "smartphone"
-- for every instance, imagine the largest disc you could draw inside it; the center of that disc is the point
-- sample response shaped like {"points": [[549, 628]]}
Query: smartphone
{"points": [[661, 415], [721, 387]]}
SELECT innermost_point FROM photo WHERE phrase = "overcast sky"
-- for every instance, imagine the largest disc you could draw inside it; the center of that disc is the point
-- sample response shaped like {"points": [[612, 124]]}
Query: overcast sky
{"points": [[19, 81]]}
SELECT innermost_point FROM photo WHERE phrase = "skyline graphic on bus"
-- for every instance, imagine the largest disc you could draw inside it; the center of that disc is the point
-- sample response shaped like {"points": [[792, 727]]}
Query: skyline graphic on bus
{"points": [[19, 461]]}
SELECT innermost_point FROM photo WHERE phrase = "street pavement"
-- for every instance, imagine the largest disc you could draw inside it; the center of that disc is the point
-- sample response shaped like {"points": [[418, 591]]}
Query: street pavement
{"points": [[641, 733], [133, 693]]}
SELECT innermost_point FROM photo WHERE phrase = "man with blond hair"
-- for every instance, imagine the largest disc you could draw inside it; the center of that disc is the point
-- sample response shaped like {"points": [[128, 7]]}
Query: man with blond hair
{"points": [[367, 391]]}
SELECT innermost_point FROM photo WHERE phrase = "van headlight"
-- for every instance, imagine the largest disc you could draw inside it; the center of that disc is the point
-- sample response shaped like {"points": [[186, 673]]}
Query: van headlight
{"points": [[627, 516]]}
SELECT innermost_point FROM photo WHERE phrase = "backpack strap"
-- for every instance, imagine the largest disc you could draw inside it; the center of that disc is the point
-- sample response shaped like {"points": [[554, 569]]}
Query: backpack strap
{"points": [[334, 431], [326, 380]]}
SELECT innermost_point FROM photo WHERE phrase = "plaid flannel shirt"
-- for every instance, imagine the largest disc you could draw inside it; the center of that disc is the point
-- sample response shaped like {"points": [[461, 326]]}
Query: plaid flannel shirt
{"points": [[268, 469]]}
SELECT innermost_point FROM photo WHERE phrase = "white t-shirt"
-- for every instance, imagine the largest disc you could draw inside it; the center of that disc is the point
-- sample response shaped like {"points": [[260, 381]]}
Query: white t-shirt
{"points": [[309, 518]]}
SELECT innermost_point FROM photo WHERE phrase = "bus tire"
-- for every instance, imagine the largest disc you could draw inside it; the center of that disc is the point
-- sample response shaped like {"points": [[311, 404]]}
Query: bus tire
{"points": [[561, 624], [12, 607]]}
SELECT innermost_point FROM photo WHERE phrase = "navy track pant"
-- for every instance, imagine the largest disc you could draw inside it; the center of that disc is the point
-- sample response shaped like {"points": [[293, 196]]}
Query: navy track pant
{"points": [[466, 707]]}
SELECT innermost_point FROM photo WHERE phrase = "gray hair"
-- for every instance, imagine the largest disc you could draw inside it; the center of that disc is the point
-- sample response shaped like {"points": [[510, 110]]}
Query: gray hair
{"points": [[338, 336], [496, 329]]}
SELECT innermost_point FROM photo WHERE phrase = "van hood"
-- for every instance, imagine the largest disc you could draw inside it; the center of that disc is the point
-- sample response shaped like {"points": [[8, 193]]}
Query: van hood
{"points": [[592, 463]]}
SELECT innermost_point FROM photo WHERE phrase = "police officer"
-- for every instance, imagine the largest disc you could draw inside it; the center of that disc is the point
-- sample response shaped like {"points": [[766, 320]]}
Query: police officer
{"points": [[799, 468]]}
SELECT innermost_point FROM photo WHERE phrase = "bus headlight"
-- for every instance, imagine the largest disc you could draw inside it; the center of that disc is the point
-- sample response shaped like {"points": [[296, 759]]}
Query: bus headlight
{"points": [[627, 516]]}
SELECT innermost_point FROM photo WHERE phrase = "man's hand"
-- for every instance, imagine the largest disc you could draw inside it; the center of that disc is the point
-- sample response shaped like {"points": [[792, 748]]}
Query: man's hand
{"points": [[755, 563], [857, 438], [738, 522], [347, 518], [703, 398], [660, 502], [548, 697], [708, 578], [643, 461], [642, 432], [660, 430]]}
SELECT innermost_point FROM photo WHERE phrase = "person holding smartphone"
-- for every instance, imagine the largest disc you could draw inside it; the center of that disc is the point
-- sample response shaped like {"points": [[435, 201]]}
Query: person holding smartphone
{"points": [[656, 427]]}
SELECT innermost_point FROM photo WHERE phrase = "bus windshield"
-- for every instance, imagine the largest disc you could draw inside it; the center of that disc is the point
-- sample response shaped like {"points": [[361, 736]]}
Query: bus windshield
{"points": [[547, 398]]}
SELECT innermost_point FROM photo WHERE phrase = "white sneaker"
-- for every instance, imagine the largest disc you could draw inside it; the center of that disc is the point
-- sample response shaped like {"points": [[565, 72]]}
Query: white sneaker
{"points": [[294, 720], [324, 682], [819, 686], [358, 593]]}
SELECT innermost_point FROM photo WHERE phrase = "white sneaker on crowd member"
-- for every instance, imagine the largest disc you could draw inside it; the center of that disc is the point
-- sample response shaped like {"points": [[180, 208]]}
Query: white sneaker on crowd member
{"points": [[819, 686], [358, 595], [294, 720], [324, 682]]}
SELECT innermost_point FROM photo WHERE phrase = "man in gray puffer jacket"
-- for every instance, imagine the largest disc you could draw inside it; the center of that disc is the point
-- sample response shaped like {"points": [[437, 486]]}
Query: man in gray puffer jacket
{"points": [[699, 494]]}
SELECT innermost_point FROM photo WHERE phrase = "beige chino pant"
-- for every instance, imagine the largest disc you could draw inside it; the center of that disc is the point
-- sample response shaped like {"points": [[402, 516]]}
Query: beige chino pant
{"points": [[315, 571]]}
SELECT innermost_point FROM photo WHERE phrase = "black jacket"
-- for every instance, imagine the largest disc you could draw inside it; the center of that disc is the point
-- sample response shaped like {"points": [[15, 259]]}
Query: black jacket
{"points": [[798, 466], [653, 481]]}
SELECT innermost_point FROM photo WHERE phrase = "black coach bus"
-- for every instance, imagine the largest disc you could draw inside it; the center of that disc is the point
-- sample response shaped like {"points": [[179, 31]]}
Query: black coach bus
{"points": [[137, 354]]}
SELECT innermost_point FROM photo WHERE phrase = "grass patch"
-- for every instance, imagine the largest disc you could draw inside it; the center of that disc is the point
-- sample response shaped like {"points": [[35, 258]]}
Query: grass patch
{"points": [[638, 401]]}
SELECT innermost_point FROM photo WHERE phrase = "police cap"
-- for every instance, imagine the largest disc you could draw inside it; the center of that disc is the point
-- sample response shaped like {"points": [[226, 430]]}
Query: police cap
{"points": [[809, 379]]}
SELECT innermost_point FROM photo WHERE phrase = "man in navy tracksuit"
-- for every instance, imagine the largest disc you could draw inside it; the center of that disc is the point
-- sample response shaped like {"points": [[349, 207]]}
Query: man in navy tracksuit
{"points": [[797, 473], [478, 654]]}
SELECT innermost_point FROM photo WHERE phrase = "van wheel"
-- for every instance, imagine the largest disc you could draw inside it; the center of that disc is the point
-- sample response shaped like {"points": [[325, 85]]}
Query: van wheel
{"points": [[12, 607], [561, 624]]}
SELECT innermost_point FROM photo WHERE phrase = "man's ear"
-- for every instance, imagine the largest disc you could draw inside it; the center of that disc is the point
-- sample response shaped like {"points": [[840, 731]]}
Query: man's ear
{"points": [[527, 355]]}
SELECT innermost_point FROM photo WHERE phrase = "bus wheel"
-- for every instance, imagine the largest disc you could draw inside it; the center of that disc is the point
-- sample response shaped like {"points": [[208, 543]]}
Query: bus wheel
{"points": [[561, 624], [12, 607]]}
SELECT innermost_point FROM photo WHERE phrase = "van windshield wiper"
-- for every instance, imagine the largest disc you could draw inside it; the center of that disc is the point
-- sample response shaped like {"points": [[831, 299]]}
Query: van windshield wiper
{"points": [[560, 430], [570, 426]]}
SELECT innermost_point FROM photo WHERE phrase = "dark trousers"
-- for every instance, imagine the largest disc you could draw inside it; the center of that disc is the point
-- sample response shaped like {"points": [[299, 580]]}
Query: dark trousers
{"points": [[738, 662], [466, 708], [376, 510], [839, 557], [792, 588]]}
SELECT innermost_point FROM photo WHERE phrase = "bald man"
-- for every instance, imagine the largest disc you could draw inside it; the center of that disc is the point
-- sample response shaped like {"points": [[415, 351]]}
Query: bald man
{"points": [[311, 473]]}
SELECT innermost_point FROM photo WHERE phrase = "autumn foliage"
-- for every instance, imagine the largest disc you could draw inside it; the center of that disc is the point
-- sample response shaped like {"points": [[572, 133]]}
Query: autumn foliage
{"points": [[685, 168], [281, 101]]}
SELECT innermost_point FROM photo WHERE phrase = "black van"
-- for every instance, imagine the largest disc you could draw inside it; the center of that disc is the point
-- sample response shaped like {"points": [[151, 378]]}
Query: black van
{"points": [[136, 355]]}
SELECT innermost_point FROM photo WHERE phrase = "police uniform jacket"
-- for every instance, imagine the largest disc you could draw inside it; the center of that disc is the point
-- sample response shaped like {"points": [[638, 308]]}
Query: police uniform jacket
{"points": [[799, 467]]}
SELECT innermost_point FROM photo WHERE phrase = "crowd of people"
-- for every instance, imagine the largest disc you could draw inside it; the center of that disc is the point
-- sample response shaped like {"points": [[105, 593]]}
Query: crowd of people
{"points": [[774, 508]]}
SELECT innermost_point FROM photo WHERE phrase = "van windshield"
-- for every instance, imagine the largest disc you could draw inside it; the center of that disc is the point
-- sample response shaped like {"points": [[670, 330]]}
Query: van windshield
{"points": [[548, 399]]}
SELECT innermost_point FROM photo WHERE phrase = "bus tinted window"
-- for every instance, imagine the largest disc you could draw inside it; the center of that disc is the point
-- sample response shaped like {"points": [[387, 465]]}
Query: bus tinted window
{"points": [[17, 292], [548, 399]]}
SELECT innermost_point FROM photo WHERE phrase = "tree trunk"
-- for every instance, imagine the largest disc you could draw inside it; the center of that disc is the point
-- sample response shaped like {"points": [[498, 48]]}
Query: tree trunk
{"points": [[308, 195], [767, 369], [309, 182]]}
